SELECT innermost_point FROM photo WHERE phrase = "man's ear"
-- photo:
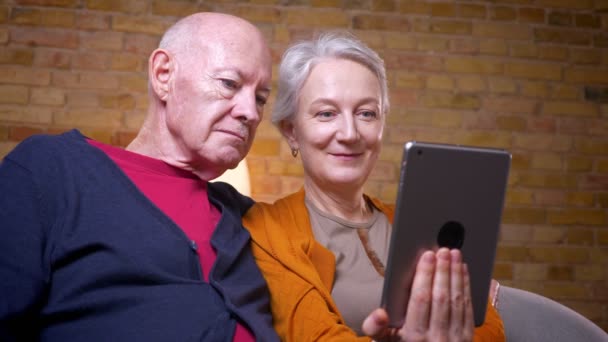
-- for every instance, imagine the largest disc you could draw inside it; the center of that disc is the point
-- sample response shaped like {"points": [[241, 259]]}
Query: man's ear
{"points": [[160, 71], [289, 132]]}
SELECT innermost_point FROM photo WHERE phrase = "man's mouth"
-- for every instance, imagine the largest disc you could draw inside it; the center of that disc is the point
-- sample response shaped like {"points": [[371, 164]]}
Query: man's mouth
{"points": [[240, 134]]}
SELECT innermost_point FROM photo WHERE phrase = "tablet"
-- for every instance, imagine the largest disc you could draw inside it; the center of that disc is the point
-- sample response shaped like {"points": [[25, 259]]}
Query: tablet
{"points": [[448, 196]]}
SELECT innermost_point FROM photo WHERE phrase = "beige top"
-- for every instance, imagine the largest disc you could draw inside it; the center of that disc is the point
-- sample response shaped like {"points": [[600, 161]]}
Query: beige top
{"points": [[358, 284]]}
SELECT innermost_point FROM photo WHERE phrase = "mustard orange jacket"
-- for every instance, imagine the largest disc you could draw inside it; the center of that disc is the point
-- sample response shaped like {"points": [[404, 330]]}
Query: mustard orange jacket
{"points": [[300, 273]]}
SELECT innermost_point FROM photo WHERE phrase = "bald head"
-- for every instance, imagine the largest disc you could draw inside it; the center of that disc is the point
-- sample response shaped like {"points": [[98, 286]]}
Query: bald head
{"points": [[208, 83], [201, 30]]}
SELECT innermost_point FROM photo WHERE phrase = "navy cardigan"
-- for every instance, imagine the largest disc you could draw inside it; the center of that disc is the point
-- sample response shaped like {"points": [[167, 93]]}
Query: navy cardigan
{"points": [[84, 255]]}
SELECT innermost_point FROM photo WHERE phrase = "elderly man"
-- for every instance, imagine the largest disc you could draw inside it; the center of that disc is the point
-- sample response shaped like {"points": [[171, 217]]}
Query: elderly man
{"points": [[105, 244]]}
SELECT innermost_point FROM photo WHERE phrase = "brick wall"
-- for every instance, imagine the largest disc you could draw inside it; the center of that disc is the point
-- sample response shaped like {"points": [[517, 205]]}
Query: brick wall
{"points": [[530, 76]]}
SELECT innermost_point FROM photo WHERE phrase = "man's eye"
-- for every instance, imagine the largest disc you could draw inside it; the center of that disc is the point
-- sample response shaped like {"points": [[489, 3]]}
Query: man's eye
{"points": [[230, 84], [261, 101]]}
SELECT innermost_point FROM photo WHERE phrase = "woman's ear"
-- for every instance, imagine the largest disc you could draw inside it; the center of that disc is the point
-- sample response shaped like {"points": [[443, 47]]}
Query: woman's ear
{"points": [[160, 69], [289, 132]]}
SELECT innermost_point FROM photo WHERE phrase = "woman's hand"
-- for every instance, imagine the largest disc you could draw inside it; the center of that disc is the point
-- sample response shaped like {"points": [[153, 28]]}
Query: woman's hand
{"points": [[439, 308]]}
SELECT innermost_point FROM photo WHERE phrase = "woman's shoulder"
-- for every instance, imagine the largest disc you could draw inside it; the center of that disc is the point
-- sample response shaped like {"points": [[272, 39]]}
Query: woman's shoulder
{"points": [[279, 218]]}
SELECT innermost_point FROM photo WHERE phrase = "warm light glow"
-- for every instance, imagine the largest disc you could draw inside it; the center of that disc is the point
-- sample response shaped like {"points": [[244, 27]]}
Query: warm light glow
{"points": [[238, 178]]}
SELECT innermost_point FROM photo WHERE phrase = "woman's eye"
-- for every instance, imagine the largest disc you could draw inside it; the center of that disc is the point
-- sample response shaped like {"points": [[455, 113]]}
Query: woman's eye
{"points": [[325, 114], [368, 114]]}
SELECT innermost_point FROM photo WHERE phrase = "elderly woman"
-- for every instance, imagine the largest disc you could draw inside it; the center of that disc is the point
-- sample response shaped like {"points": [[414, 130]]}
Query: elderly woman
{"points": [[322, 249]]}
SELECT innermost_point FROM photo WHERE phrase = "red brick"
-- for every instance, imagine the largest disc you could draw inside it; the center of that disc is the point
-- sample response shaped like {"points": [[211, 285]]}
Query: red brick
{"points": [[55, 3], [4, 35], [594, 182], [174, 8], [373, 22], [145, 25], [48, 96], [520, 197], [123, 138], [44, 37], [16, 56], [580, 236], [500, 30], [29, 114], [415, 62], [552, 53], [578, 109], [119, 101], [586, 56], [580, 4], [559, 255], [579, 164], [90, 61], [484, 139], [560, 273], [127, 62], [450, 27], [512, 253], [140, 44], [414, 7], [534, 71], [326, 3], [448, 100], [508, 104], [542, 124], [560, 18], [13, 94], [503, 13], [88, 117], [534, 89], [133, 82], [22, 132], [384, 5], [132, 6], [472, 65], [472, 11], [588, 21], [399, 41], [265, 147], [325, 18], [92, 21], [443, 9], [533, 15], [523, 50], [591, 146], [586, 75], [98, 80], [562, 36], [577, 217], [536, 272], [464, 46], [51, 58], [496, 47], [23, 75], [102, 40]]}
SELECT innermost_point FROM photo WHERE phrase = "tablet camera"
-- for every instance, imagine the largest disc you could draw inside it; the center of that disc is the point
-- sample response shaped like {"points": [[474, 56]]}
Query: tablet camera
{"points": [[451, 235]]}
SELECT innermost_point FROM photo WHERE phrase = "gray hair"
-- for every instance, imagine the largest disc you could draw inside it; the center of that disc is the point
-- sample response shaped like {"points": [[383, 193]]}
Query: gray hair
{"points": [[299, 59]]}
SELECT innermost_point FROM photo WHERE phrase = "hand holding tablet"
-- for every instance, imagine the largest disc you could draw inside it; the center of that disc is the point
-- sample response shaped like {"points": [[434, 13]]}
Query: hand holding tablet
{"points": [[450, 197]]}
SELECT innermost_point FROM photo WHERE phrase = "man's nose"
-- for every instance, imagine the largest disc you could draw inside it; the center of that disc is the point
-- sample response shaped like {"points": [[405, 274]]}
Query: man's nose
{"points": [[246, 107]]}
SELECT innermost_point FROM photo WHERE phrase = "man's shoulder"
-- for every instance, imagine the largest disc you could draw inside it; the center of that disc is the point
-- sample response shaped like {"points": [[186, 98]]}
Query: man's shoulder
{"points": [[228, 196], [41, 147]]}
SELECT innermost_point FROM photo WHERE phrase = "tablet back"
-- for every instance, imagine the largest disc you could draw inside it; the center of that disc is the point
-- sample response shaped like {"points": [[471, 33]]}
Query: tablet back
{"points": [[448, 196]]}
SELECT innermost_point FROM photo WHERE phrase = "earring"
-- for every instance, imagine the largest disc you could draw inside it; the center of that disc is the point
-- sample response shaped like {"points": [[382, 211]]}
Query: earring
{"points": [[294, 152]]}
